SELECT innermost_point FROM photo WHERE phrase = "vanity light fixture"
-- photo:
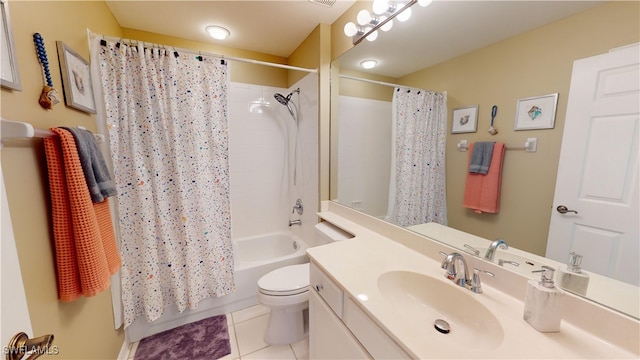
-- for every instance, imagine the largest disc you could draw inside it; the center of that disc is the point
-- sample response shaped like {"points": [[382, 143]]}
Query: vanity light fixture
{"points": [[217, 32], [381, 17], [368, 64]]}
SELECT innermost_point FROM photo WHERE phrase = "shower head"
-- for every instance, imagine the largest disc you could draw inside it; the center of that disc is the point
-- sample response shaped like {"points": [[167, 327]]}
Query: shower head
{"points": [[282, 99], [285, 101]]}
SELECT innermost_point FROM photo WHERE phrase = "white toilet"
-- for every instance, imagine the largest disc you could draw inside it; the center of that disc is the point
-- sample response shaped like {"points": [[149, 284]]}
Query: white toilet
{"points": [[286, 292]]}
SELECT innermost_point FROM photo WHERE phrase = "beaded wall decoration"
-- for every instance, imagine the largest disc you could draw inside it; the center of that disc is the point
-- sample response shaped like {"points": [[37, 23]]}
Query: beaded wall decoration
{"points": [[49, 96]]}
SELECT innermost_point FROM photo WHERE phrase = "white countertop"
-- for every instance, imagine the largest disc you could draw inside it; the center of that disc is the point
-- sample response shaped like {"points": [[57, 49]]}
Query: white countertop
{"points": [[356, 265]]}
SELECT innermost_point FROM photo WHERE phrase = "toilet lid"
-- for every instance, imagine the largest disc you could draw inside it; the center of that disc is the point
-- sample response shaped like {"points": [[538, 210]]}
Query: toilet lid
{"points": [[288, 280]]}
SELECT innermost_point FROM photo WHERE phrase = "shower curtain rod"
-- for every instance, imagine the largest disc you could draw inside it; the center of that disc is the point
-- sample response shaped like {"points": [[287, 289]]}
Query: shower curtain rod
{"points": [[239, 59], [380, 82]]}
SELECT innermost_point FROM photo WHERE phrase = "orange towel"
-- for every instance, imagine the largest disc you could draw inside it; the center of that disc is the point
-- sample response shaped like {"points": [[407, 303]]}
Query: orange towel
{"points": [[85, 247], [482, 192]]}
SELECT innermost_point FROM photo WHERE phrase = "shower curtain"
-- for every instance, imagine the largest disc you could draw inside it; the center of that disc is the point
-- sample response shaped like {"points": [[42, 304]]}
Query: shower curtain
{"points": [[167, 119], [417, 183]]}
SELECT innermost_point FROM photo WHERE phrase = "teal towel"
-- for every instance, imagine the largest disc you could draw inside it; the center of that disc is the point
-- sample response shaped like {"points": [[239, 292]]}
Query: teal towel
{"points": [[481, 157]]}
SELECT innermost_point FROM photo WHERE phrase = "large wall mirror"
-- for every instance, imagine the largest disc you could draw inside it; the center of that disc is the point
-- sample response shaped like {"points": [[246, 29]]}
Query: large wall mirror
{"points": [[482, 53]]}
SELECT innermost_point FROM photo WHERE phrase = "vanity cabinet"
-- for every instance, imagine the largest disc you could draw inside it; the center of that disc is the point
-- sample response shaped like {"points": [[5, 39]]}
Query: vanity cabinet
{"points": [[339, 329]]}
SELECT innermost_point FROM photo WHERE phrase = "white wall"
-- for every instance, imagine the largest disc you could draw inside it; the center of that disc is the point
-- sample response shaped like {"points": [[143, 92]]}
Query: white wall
{"points": [[261, 144], [364, 133]]}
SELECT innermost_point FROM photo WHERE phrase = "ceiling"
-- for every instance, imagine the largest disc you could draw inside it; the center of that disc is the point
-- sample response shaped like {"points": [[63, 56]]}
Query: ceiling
{"points": [[443, 30], [266, 26]]}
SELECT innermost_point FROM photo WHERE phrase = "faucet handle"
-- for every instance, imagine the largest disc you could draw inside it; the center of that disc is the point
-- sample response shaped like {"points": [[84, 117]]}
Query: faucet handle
{"points": [[501, 262], [473, 250], [476, 285]]}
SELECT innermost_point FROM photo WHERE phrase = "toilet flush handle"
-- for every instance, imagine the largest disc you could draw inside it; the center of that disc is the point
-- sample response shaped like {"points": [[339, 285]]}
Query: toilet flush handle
{"points": [[319, 287]]}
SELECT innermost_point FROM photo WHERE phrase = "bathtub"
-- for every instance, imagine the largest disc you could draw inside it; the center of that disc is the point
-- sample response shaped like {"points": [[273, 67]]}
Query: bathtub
{"points": [[254, 257]]}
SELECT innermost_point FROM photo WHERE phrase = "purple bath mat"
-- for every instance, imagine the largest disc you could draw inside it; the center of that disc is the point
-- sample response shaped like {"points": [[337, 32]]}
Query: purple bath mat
{"points": [[206, 339]]}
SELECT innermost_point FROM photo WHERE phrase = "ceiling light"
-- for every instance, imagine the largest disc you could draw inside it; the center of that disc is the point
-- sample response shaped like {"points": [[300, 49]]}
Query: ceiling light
{"points": [[383, 11], [218, 32], [404, 15], [388, 25], [363, 17], [350, 29], [380, 7], [368, 64], [425, 3]]}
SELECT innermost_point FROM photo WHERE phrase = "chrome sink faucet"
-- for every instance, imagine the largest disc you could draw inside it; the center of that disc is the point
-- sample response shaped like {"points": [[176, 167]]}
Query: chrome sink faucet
{"points": [[491, 251], [452, 263]]}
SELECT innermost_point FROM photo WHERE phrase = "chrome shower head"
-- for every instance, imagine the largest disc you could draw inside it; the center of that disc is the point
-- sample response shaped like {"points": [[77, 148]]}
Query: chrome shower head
{"points": [[282, 99]]}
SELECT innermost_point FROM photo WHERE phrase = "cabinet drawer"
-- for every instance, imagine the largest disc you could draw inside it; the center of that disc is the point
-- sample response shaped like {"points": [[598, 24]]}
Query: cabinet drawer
{"points": [[327, 290]]}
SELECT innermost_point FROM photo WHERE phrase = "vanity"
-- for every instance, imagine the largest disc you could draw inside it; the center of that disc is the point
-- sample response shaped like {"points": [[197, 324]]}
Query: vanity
{"points": [[383, 294]]}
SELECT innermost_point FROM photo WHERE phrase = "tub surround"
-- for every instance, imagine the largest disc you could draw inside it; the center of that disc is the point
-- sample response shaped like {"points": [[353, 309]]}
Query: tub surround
{"points": [[588, 330]]}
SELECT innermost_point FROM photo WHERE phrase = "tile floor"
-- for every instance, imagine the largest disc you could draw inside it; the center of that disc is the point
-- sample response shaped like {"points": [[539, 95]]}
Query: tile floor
{"points": [[246, 329]]}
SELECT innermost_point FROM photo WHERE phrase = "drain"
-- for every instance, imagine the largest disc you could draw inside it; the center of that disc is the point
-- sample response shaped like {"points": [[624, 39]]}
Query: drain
{"points": [[442, 326]]}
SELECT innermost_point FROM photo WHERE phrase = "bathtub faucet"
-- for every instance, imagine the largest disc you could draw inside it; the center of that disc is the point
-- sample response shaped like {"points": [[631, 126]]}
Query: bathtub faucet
{"points": [[295, 222], [298, 207]]}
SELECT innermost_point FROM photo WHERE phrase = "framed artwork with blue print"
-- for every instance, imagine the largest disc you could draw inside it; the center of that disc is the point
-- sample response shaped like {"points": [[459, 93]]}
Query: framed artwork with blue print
{"points": [[537, 112]]}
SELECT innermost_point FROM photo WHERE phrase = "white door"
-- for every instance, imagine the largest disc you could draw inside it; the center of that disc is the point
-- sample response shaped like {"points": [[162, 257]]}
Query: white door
{"points": [[598, 169], [13, 305]]}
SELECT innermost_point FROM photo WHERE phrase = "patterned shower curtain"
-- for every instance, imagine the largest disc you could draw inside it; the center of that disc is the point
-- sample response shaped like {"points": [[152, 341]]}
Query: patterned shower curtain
{"points": [[417, 184], [168, 134]]}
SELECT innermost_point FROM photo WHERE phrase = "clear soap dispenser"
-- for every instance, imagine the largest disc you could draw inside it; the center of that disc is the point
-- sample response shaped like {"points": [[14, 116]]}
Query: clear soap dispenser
{"points": [[571, 277], [543, 302]]}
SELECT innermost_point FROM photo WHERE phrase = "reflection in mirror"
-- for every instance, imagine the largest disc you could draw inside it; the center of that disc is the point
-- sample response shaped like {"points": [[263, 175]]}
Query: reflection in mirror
{"points": [[486, 65]]}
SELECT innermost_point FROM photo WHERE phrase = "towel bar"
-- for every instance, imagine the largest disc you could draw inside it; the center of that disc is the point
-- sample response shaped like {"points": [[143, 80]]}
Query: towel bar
{"points": [[19, 129], [531, 145]]}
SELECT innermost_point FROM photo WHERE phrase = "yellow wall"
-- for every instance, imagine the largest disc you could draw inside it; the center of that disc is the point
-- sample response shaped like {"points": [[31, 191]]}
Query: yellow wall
{"points": [[83, 329], [535, 63]]}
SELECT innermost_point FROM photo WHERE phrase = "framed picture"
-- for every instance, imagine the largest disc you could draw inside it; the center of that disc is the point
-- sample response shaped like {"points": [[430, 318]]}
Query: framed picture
{"points": [[76, 79], [10, 75], [464, 120], [536, 112]]}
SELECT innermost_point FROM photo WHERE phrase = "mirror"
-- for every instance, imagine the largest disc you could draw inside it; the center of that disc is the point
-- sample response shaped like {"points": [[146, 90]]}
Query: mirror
{"points": [[482, 53]]}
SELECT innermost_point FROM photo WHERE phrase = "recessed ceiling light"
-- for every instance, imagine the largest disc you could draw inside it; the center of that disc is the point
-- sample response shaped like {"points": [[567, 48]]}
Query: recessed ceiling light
{"points": [[218, 32], [368, 64]]}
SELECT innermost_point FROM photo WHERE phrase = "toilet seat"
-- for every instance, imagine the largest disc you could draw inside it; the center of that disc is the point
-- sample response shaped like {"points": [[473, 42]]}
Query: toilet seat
{"points": [[285, 281]]}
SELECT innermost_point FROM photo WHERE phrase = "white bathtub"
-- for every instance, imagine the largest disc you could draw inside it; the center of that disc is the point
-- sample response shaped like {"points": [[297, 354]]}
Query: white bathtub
{"points": [[254, 257]]}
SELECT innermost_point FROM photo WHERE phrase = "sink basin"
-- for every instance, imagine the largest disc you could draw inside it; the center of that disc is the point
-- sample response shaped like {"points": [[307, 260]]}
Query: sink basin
{"points": [[420, 300]]}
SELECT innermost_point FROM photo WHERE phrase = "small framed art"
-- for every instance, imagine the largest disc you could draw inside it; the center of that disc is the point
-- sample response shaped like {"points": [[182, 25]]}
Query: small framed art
{"points": [[464, 120], [537, 112], [76, 79], [10, 75]]}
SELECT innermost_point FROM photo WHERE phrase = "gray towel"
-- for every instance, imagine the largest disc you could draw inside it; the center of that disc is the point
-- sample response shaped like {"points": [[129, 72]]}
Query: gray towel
{"points": [[95, 169], [481, 157]]}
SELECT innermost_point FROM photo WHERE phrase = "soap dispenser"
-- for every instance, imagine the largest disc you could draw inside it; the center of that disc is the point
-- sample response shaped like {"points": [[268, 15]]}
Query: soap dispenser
{"points": [[571, 277], [543, 302]]}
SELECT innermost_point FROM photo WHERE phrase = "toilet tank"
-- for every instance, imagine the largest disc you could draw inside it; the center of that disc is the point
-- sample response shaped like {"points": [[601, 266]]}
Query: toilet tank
{"points": [[327, 233]]}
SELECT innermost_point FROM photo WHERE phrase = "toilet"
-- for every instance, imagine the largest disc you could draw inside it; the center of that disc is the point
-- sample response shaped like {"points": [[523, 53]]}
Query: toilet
{"points": [[286, 292]]}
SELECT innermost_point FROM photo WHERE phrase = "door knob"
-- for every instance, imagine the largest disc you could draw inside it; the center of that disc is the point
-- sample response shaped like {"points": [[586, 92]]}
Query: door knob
{"points": [[563, 210], [20, 345]]}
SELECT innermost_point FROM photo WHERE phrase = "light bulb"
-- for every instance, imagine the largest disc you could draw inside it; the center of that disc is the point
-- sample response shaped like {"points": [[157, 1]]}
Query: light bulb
{"points": [[388, 25], [368, 64], [379, 7], [425, 3], [218, 32], [363, 17], [350, 29], [404, 15], [373, 36]]}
